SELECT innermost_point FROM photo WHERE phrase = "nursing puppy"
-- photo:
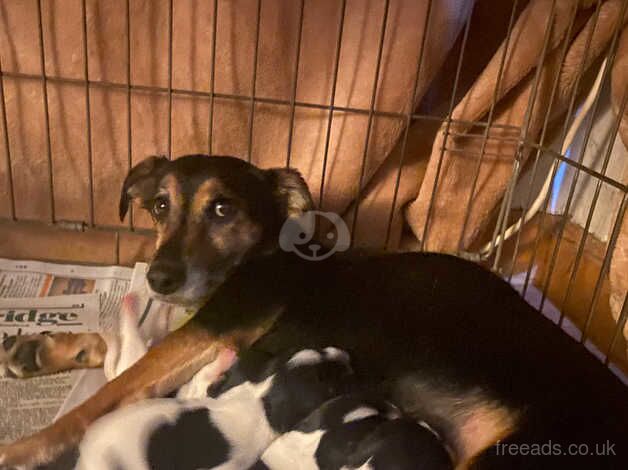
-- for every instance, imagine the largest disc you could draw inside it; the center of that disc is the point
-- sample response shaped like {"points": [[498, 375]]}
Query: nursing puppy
{"points": [[252, 406], [354, 431]]}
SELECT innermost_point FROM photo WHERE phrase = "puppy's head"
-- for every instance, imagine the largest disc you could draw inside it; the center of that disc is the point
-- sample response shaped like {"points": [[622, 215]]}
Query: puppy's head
{"points": [[211, 214]]}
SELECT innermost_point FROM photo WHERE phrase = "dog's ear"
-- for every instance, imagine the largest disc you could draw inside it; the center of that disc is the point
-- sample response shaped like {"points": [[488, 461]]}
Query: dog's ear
{"points": [[141, 182], [291, 191]]}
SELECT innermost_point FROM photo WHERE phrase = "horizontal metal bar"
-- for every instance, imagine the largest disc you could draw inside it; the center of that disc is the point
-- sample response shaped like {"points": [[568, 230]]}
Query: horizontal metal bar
{"points": [[76, 226], [610, 181], [257, 99], [600, 176]]}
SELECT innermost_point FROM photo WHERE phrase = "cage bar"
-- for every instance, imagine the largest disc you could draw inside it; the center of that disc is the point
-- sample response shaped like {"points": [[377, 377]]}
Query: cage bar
{"points": [[570, 109], [498, 84], [621, 324], [332, 99], [523, 135], [88, 116], [448, 121], [212, 79], [408, 121], [7, 146], [254, 80], [544, 128], [295, 78], [129, 117], [44, 93], [587, 135], [605, 266], [598, 188], [170, 40], [369, 125], [247, 98]]}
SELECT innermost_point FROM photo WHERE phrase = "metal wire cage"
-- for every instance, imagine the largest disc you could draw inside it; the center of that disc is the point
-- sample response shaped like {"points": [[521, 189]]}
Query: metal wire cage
{"points": [[67, 67]]}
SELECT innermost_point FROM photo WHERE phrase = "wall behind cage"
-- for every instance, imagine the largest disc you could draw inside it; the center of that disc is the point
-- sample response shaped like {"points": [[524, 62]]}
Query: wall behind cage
{"points": [[177, 77]]}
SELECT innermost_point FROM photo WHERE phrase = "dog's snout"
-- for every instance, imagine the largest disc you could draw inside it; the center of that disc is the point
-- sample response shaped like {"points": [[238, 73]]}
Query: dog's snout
{"points": [[165, 278]]}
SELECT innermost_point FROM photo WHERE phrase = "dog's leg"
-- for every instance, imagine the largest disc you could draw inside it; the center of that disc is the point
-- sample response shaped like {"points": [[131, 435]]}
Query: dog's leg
{"points": [[164, 368], [42, 354]]}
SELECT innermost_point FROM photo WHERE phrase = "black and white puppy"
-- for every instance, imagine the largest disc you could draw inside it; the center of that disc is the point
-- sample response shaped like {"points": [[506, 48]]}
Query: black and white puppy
{"points": [[228, 430], [357, 432]]}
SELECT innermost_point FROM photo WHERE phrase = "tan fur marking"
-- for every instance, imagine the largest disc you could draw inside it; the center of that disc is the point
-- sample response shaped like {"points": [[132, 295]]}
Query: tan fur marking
{"points": [[169, 186], [481, 427], [207, 192], [468, 422], [238, 235]]}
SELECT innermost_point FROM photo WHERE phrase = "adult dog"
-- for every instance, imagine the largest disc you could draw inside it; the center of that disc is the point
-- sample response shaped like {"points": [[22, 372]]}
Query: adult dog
{"points": [[439, 336]]}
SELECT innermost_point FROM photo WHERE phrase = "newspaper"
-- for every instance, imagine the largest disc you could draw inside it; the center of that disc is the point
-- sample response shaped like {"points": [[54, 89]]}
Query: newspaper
{"points": [[27, 405], [37, 279], [36, 297]]}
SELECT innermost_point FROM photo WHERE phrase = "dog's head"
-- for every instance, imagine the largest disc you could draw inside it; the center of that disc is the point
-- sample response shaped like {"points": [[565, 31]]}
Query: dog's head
{"points": [[211, 214]]}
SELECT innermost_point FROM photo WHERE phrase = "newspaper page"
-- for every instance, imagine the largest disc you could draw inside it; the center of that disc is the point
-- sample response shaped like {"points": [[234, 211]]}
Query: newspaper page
{"points": [[27, 405], [39, 279]]}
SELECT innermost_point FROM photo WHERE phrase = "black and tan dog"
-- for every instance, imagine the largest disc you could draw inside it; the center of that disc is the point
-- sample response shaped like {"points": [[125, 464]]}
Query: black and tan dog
{"points": [[441, 337]]}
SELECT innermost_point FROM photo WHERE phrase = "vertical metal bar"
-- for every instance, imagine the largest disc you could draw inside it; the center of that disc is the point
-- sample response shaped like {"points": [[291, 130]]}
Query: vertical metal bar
{"points": [[170, 39], [254, 80], [570, 108], [44, 91], [574, 182], [117, 248], [522, 138], [370, 121], [88, 116], [7, 146], [212, 78], [596, 195], [489, 119], [605, 265], [448, 119], [128, 104], [332, 99], [621, 323], [534, 171], [412, 104], [295, 78]]}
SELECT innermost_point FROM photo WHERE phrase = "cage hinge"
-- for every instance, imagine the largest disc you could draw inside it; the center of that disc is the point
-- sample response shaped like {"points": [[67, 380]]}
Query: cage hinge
{"points": [[71, 225]]}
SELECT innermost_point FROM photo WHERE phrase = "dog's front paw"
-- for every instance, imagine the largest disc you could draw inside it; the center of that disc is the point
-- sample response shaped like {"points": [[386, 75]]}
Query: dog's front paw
{"points": [[41, 354]]}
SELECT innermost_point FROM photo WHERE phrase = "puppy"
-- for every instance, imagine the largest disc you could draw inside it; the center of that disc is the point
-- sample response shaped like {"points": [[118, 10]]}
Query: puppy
{"points": [[252, 406], [354, 431]]}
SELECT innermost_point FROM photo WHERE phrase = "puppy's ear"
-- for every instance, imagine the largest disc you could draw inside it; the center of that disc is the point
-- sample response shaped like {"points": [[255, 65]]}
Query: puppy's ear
{"points": [[141, 182], [291, 191]]}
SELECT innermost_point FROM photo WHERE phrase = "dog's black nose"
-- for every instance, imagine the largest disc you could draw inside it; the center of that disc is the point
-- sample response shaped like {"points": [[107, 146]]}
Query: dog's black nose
{"points": [[165, 277]]}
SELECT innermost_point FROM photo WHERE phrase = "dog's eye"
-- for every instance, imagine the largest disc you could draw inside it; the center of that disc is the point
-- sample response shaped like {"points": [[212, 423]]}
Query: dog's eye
{"points": [[160, 206], [222, 209]]}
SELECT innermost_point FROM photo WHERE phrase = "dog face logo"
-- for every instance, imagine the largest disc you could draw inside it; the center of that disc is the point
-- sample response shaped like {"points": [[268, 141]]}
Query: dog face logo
{"points": [[297, 235]]}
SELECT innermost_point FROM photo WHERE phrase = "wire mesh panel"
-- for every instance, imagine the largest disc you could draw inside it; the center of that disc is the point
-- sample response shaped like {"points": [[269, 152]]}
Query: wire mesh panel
{"points": [[410, 119]]}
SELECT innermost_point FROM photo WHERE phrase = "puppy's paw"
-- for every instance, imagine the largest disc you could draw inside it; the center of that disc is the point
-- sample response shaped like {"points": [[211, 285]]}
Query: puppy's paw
{"points": [[41, 354]]}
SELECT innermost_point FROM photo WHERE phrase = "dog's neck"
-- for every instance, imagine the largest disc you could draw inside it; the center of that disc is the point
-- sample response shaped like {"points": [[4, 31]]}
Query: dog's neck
{"points": [[255, 294]]}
